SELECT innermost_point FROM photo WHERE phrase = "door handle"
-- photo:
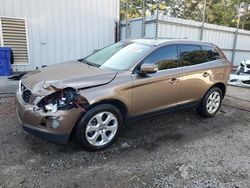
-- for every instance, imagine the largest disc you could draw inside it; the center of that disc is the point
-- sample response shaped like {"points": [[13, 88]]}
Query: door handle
{"points": [[173, 80], [205, 74]]}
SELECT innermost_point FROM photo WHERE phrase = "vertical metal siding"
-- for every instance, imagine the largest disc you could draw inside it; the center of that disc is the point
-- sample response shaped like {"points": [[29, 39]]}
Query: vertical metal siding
{"points": [[150, 30], [123, 32], [177, 28], [243, 40], [63, 30], [221, 36], [136, 32]]}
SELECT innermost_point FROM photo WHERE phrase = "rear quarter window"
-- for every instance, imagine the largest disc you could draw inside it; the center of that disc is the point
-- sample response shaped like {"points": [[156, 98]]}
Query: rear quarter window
{"points": [[191, 55], [211, 53]]}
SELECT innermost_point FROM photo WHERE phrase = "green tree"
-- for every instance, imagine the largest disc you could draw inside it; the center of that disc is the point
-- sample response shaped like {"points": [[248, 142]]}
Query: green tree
{"points": [[137, 8], [220, 12], [245, 24]]}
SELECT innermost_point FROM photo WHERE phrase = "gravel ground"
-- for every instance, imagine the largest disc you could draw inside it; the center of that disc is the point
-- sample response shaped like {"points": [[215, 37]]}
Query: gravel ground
{"points": [[179, 149]]}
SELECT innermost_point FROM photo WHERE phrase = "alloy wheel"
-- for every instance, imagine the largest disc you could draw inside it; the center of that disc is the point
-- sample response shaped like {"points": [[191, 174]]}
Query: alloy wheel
{"points": [[101, 128], [213, 102]]}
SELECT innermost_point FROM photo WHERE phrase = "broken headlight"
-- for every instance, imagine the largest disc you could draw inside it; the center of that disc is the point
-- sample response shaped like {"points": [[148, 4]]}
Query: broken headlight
{"points": [[65, 99]]}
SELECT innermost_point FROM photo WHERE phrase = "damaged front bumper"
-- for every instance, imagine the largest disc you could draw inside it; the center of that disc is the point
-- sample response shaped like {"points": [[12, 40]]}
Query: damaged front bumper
{"points": [[240, 80], [55, 127]]}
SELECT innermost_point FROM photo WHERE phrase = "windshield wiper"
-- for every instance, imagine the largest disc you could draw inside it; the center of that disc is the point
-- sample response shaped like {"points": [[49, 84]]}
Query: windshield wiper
{"points": [[88, 63], [91, 64]]}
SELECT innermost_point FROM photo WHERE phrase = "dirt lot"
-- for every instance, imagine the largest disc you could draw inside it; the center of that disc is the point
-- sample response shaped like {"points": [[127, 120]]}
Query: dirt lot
{"points": [[178, 149]]}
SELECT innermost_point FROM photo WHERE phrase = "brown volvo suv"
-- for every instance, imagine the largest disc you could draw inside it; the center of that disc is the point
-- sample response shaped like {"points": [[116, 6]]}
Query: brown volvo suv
{"points": [[94, 97]]}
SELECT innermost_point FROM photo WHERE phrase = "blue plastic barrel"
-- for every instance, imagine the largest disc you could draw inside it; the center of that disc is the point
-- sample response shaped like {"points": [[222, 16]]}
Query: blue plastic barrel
{"points": [[5, 61]]}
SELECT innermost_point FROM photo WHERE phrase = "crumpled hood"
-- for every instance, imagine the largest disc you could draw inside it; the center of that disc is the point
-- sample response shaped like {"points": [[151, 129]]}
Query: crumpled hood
{"points": [[71, 74]]}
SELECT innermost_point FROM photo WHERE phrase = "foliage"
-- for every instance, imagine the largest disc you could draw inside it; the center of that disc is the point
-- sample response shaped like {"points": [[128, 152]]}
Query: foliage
{"points": [[220, 12]]}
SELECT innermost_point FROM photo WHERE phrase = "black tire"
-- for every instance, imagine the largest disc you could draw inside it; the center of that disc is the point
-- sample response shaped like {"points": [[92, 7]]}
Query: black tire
{"points": [[82, 125], [203, 111]]}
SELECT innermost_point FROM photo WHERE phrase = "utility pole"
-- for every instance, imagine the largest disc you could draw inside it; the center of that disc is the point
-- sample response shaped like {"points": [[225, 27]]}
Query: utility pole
{"points": [[203, 19], [238, 18], [204, 12], [236, 36], [127, 24], [157, 17], [144, 18], [245, 15]]}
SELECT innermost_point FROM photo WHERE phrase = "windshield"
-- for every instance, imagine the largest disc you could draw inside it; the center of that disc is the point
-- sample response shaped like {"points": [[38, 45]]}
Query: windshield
{"points": [[119, 56]]}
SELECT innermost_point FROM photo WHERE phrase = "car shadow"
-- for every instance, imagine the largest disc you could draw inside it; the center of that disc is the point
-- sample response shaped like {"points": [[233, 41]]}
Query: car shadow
{"points": [[174, 128]]}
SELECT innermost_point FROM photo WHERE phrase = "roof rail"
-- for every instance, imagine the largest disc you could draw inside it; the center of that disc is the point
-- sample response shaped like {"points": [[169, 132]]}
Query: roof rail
{"points": [[162, 38]]}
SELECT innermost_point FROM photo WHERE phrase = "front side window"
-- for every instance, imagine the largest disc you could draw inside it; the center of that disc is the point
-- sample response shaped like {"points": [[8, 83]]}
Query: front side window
{"points": [[165, 57], [191, 55], [119, 56], [211, 53]]}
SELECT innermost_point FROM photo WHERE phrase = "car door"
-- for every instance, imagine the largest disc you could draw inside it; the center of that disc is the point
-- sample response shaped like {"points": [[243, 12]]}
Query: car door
{"points": [[197, 72], [161, 89]]}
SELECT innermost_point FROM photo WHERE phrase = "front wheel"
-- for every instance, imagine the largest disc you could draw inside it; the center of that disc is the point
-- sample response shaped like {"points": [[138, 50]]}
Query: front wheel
{"points": [[211, 102], [99, 127]]}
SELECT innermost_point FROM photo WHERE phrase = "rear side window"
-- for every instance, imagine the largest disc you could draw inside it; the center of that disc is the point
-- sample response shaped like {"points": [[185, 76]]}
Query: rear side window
{"points": [[211, 53], [191, 55], [165, 57]]}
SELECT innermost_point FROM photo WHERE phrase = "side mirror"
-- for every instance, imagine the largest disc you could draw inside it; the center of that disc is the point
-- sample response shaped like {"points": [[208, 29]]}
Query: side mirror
{"points": [[148, 69]]}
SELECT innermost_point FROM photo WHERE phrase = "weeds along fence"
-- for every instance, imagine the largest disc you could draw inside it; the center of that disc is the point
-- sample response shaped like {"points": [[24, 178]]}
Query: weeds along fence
{"points": [[235, 43]]}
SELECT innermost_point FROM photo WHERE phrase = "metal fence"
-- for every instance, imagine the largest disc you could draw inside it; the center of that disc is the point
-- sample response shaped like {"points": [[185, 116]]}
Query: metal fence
{"points": [[235, 43]]}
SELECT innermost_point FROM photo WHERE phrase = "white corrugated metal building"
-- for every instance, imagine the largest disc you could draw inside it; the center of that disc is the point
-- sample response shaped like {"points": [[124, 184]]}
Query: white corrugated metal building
{"points": [[46, 32]]}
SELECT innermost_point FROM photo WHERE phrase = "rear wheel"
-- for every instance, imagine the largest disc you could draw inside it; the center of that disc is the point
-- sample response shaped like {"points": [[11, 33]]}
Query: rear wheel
{"points": [[211, 102], [99, 127]]}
